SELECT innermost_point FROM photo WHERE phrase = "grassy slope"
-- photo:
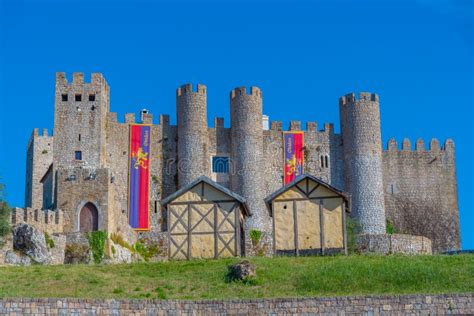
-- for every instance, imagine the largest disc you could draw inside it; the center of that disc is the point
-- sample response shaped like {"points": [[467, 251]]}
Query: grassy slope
{"points": [[277, 277]]}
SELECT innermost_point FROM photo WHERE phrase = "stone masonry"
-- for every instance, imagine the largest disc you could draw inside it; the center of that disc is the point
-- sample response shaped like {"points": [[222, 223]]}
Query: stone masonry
{"points": [[454, 304], [91, 151]]}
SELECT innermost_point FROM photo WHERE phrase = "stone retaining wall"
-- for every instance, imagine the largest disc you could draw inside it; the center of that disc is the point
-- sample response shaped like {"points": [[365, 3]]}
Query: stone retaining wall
{"points": [[363, 305], [395, 243]]}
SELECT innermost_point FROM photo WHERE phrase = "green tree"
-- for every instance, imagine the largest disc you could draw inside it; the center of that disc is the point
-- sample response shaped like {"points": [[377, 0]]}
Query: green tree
{"points": [[4, 214]]}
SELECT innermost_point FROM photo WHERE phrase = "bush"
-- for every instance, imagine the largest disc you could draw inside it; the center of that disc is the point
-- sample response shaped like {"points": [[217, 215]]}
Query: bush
{"points": [[390, 229], [49, 241], [97, 241], [5, 214], [353, 228], [255, 236], [146, 249]]}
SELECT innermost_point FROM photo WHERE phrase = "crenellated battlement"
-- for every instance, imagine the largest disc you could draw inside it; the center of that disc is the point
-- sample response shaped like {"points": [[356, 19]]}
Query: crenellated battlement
{"points": [[434, 145], [350, 98], [188, 89], [36, 133], [254, 91], [44, 220], [78, 79]]}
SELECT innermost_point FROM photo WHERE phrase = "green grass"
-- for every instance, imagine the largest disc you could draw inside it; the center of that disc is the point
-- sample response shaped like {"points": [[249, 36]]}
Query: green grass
{"points": [[277, 277]]}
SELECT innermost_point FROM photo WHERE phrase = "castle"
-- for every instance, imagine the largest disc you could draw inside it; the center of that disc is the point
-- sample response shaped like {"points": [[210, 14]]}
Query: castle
{"points": [[83, 165]]}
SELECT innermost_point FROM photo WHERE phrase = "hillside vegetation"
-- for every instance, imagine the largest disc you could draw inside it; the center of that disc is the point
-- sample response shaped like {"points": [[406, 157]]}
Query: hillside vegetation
{"points": [[277, 277]]}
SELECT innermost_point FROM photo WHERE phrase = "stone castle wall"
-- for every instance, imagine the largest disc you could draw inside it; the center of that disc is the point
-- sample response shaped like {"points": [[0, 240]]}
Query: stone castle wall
{"points": [[39, 157], [48, 221], [352, 160], [421, 191], [418, 304]]}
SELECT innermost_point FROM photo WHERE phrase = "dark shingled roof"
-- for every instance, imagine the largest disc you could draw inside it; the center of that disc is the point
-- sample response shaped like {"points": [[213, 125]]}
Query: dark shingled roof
{"points": [[212, 183], [271, 197]]}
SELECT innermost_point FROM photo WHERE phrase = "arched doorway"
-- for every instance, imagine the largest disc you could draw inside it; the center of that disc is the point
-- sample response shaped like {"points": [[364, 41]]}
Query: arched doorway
{"points": [[88, 218]]}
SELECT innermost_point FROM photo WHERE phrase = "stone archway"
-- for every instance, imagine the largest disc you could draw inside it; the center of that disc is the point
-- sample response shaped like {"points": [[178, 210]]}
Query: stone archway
{"points": [[88, 218]]}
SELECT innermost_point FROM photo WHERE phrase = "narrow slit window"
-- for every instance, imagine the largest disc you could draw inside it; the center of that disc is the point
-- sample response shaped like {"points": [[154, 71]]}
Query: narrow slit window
{"points": [[326, 161], [79, 137], [322, 162], [78, 97]]}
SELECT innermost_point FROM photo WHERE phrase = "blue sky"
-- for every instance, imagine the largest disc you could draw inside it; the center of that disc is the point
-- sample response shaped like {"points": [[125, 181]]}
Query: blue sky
{"points": [[417, 55]]}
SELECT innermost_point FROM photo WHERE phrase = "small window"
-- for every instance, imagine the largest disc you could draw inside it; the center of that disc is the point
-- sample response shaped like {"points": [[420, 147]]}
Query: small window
{"points": [[322, 161], [78, 155], [220, 164], [79, 137], [92, 97], [78, 97], [93, 108], [326, 160], [64, 97]]}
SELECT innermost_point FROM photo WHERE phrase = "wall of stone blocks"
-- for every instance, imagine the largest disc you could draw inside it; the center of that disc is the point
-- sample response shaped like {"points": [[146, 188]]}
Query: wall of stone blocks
{"points": [[39, 157], [44, 220], [359, 305], [421, 191], [394, 243], [76, 187]]}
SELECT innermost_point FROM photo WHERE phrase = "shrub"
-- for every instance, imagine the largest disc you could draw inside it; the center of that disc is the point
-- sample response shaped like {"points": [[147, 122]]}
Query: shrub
{"points": [[390, 229], [5, 215], [255, 236], [118, 240], [146, 249], [49, 241], [97, 241], [353, 228]]}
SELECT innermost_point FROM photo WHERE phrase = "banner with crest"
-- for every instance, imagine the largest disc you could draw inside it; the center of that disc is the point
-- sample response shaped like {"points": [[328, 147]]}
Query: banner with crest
{"points": [[294, 155], [139, 177]]}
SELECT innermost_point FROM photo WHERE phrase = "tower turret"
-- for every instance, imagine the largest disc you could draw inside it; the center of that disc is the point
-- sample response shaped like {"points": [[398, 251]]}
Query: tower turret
{"points": [[360, 126], [246, 153], [191, 111], [80, 117]]}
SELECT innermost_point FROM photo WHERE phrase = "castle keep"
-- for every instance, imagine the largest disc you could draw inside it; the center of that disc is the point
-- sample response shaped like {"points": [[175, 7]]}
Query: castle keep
{"points": [[81, 170]]}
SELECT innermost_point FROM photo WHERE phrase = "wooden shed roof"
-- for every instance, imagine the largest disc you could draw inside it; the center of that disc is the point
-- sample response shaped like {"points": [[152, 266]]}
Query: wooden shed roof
{"points": [[212, 183], [269, 199]]}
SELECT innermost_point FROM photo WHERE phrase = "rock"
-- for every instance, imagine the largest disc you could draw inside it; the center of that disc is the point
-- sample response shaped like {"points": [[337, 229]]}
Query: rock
{"points": [[242, 271], [77, 254], [11, 257], [6, 243], [31, 242], [120, 254], [57, 252]]}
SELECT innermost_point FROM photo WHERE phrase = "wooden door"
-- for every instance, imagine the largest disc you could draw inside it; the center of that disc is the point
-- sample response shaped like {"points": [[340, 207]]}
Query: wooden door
{"points": [[88, 218]]}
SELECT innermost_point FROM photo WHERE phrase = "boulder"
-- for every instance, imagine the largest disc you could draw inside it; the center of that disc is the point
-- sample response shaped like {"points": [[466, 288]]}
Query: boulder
{"points": [[19, 259], [31, 242], [57, 252], [77, 254], [243, 270], [120, 254]]}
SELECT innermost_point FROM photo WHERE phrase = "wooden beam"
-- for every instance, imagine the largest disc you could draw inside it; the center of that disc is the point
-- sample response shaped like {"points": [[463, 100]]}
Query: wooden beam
{"points": [[274, 236], [344, 232], [215, 231], [189, 231], [237, 211], [201, 202], [321, 225], [311, 199], [295, 222]]}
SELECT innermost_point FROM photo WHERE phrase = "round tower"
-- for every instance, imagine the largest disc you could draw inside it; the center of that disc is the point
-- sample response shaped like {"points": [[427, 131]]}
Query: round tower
{"points": [[191, 112], [247, 176], [363, 177]]}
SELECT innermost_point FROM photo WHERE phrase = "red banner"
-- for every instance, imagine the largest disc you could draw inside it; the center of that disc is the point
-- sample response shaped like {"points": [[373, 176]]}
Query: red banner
{"points": [[294, 155], [139, 177]]}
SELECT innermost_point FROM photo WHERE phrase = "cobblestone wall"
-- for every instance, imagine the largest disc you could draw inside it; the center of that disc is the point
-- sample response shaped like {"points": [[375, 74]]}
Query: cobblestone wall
{"points": [[360, 127], [395, 243], [358, 305]]}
